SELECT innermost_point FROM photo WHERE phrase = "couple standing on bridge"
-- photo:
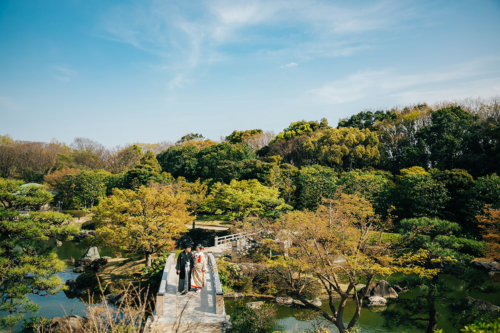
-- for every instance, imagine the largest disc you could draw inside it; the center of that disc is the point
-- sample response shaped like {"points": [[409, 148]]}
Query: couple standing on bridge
{"points": [[191, 270]]}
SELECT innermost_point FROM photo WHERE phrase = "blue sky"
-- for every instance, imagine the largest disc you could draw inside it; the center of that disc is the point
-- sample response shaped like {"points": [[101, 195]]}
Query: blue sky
{"points": [[125, 71]]}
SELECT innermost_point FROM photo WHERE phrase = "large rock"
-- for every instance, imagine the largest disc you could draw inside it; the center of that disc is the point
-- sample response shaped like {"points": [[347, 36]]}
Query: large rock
{"points": [[86, 283], [233, 295], [251, 270], [83, 262], [284, 300], [115, 298], [71, 284], [79, 269], [92, 253], [399, 289], [254, 305], [316, 302], [99, 263], [297, 302], [381, 289], [479, 304], [83, 234], [89, 257], [491, 267], [73, 288], [74, 324], [376, 301]]}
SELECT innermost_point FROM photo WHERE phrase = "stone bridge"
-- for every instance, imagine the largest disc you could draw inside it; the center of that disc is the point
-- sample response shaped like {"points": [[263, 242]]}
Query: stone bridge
{"points": [[194, 312]]}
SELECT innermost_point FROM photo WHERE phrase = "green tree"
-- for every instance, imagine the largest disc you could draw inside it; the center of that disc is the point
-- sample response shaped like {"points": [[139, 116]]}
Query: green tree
{"points": [[190, 137], [300, 128], [125, 159], [144, 221], [211, 157], [84, 189], [27, 264], [398, 137], [220, 162], [417, 194], [313, 183], [283, 177], [149, 159], [458, 183], [367, 119], [443, 251], [486, 191], [180, 161], [373, 185], [14, 196], [239, 199], [344, 148], [148, 170], [91, 186], [241, 136], [448, 138]]}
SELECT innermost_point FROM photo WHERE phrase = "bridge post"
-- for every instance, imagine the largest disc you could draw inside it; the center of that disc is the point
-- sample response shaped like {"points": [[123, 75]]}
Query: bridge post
{"points": [[234, 252], [216, 241], [219, 295], [163, 285]]}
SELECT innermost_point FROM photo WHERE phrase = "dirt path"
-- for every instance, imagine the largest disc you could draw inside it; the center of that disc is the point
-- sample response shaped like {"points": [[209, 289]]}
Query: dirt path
{"points": [[207, 227]]}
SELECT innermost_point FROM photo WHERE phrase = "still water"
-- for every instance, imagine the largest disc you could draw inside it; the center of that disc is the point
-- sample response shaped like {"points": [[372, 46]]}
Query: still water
{"points": [[370, 321]]}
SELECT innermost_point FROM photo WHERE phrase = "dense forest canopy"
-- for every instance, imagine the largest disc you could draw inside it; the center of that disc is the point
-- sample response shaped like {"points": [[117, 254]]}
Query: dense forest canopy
{"points": [[423, 160], [425, 176]]}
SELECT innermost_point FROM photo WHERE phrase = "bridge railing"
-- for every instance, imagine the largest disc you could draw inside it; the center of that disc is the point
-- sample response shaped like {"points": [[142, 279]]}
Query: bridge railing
{"points": [[219, 295], [163, 284], [226, 240]]}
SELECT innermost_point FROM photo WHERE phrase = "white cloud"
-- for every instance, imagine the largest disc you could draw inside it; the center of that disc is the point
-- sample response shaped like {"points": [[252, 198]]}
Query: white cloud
{"points": [[292, 64], [390, 82]]}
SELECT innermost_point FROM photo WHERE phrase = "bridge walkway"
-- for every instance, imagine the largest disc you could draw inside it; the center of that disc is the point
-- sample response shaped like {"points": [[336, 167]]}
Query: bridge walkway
{"points": [[193, 312]]}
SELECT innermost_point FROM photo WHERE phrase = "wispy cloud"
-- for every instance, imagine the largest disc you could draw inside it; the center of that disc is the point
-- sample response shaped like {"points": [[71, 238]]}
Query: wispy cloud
{"points": [[391, 82], [64, 74], [187, 35]]}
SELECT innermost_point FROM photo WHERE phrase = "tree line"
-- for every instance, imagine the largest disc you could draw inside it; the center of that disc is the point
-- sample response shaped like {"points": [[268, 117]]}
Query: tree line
{"points": [[425, 172]]}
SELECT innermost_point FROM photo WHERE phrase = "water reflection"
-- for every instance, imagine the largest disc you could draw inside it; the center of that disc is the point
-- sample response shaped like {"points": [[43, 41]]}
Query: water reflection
{"points": [[289, 318]]}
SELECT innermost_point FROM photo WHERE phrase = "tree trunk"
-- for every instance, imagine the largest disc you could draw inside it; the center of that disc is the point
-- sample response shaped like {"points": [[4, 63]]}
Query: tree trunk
{"points": [[340, 316], [148, 259], [431, 328], [194, 225]]}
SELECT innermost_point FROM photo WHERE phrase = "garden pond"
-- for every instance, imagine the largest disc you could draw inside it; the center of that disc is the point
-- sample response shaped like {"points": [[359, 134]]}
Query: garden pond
{"points": [[290, 319]]}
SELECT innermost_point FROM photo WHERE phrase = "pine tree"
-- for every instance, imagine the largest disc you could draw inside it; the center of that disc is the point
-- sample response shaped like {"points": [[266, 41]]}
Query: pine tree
{"points": [[27, 263]]}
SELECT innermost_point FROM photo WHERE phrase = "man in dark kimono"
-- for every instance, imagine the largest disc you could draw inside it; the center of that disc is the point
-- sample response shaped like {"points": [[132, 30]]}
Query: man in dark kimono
{"points": [[185, 262]]}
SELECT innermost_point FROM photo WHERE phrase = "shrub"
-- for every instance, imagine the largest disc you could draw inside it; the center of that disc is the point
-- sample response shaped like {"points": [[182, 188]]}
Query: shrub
{"points": [[311, 288], [248, 320], [76, 213], [268, 283], [483, 327], [89, 225], [35, 324]]}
